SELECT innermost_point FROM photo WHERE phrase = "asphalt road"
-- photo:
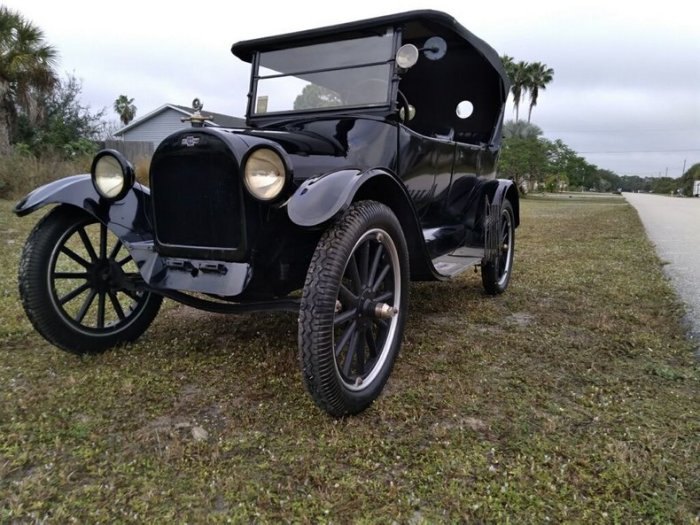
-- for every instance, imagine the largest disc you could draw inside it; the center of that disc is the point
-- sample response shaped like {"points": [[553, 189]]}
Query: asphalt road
{"points": [[673, 225]]}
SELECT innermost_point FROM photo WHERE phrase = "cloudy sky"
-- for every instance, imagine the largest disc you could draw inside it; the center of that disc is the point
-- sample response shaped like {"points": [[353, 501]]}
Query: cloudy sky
{"points": [[626, 91]]}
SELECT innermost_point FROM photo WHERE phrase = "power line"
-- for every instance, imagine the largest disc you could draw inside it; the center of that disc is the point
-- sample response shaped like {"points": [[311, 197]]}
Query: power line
{"points": [[641, 151], [627, 130]]}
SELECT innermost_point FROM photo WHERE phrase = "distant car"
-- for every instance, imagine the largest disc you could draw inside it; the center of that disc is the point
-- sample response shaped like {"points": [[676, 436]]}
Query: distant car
{"points": [[368, 160]]}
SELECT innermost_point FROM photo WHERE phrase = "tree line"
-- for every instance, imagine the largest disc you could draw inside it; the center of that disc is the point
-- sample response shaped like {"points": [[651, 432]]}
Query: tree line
{"points": [[682, 185], [537, 163]]}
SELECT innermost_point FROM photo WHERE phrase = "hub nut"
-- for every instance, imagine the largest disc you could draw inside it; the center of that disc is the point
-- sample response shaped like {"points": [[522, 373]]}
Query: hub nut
{"points": [[385, 311]]}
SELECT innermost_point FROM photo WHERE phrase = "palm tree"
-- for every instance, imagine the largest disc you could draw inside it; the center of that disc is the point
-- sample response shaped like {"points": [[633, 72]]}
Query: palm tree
{"points": [[26, 71], [520, 84], [539, 75], [124, 107], [508, 65], [518, 72]]}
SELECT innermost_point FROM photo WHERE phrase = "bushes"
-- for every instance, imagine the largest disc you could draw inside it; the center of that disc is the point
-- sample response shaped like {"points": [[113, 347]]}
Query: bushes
{"points": [[21, 172]]}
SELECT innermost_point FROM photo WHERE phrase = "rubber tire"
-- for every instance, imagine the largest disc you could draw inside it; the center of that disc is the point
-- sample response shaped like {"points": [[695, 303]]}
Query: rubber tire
{"points": [[317, 310], [34, 290], [493, 285]]}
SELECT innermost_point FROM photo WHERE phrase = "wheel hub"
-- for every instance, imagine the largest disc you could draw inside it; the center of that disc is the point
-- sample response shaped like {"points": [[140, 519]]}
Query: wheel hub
{"points": [[368, 308], [105, 275]]}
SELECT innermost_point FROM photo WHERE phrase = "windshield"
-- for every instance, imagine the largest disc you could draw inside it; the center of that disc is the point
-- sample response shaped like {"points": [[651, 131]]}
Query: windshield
{"points": [[347, 73]]}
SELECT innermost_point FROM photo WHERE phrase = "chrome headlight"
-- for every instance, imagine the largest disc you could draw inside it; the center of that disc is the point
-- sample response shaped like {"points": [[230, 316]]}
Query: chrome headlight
{"points": [[112, 175], [264, 174]]}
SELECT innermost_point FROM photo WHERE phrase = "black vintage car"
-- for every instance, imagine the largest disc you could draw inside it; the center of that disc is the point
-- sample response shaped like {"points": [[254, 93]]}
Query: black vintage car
{"points": [[368, 160]]}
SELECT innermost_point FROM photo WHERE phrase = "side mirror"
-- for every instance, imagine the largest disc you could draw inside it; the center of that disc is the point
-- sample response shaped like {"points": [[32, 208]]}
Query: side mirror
{"points": [[434, 49]]}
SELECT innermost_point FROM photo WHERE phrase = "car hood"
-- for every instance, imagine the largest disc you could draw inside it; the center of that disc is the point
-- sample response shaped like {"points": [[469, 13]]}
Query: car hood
{"points": [[299, 141], [323, 145]]}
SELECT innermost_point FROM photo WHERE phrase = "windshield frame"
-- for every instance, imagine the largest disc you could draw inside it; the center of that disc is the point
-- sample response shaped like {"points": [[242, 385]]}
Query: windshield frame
{"points": [[386, 106]]}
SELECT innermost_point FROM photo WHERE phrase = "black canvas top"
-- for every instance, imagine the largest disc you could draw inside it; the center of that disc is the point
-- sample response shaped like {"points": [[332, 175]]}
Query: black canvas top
{"points": [[245, 49]]}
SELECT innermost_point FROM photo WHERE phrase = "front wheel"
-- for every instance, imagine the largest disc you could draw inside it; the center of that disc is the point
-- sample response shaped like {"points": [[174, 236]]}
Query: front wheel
{"points": [[78, 284], [495, 274], [353, 309]]}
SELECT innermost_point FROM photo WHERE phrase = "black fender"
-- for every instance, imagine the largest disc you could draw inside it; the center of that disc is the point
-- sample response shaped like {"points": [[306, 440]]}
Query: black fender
{"points": [[506, 190], [486, 193], [503, 189], [127, 218], [319, 199]]}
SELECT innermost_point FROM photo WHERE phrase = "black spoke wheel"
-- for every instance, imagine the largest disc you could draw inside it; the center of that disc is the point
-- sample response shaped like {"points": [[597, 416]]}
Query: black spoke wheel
{"points": [[495, 274], [79, 285], [353, 309]]}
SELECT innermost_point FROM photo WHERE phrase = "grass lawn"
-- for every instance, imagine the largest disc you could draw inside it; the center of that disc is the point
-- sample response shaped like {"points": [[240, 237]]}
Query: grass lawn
{"points": [[572, 397]]}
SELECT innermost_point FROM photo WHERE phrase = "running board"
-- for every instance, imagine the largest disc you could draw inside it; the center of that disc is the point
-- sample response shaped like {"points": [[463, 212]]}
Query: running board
{"points": [[456, 262]]}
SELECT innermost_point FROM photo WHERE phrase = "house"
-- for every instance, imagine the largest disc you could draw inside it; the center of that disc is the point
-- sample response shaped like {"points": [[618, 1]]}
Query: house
{"points": [[159, 123]]}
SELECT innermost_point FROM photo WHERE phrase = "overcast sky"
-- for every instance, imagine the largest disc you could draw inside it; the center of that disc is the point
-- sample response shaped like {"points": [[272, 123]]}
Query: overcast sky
{"points": [[626, 89]]}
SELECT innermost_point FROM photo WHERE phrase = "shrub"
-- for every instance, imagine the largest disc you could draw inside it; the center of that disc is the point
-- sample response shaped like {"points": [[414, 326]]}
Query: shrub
{"points": [[142, 166], [21, 172]]}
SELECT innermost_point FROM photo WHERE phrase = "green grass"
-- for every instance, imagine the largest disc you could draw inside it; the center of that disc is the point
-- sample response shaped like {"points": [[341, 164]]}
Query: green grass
{"points": [[573, 397]]}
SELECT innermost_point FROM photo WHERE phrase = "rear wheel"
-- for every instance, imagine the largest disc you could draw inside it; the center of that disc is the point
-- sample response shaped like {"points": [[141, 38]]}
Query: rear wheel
{"points": [[495, 274], [78, 284], [353, 309]]}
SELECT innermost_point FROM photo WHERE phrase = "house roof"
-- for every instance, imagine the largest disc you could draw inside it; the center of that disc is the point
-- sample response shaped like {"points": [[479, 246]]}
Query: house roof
{"points": [[218, 119]]}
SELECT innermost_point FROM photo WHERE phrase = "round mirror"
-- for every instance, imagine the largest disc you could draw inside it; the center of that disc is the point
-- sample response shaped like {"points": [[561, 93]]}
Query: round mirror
{"points": [[465, 109], [407, 56], [435, 48]]}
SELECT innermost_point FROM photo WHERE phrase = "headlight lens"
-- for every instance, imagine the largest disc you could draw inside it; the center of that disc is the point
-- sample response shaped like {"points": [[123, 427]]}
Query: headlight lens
{"points": [[265, 174], [112, 174]]}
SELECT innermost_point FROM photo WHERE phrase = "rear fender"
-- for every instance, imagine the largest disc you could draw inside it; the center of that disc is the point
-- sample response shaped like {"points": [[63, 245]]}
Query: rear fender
{"points": [[502, 190], [506, 190], [127, 218]]}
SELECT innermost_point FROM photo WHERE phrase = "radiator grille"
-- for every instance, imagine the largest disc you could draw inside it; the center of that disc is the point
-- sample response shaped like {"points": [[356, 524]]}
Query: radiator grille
{"points": [[197, 198]]}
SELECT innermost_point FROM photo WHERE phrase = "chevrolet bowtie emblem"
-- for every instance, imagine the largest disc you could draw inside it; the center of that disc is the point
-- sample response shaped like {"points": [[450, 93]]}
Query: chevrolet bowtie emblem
{"points": [[190, 141]]}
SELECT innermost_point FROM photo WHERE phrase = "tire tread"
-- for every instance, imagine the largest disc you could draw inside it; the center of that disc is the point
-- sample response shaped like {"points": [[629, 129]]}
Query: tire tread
{"points": [[318, 303], [34, 292]]}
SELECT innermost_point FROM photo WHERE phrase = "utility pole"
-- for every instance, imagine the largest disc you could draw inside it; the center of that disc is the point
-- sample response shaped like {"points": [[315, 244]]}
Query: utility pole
{"points": [[683, 172]]}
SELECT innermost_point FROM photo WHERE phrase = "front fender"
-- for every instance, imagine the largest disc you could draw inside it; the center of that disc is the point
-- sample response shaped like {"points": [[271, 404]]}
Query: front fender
{"points": [[319, 199], [127, 218]]}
